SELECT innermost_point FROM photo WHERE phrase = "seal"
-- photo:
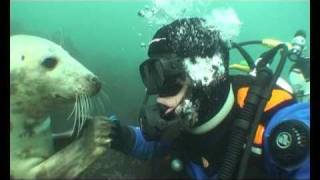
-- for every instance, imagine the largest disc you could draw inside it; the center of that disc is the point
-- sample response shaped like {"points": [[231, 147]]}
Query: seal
{"points": [[43, 76]]}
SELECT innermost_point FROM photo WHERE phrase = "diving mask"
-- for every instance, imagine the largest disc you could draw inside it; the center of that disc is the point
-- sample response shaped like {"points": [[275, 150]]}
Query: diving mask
{"points": [[160, 75]]}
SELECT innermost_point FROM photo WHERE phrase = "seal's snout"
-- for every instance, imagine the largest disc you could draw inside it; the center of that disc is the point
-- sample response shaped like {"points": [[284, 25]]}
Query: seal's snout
{"points": [[96, 84]]}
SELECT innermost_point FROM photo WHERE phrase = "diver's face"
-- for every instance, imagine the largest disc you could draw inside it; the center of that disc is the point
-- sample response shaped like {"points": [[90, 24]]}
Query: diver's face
{"points": [[171, 102], [202, 73], [180, 106]]}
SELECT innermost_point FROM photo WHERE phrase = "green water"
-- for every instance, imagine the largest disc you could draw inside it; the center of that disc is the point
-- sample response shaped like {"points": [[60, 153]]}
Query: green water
{"points": [[105, 36]]}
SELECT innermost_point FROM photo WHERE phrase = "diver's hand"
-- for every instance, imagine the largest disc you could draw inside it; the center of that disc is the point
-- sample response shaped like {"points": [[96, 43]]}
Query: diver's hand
{"points": [[109, 133], [122, 138]]}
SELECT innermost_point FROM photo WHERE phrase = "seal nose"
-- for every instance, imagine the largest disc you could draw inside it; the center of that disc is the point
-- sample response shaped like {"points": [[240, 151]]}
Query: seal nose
{"points": [[96, 84]]}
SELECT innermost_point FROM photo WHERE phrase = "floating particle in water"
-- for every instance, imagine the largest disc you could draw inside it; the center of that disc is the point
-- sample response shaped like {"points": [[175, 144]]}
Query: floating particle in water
{"points": [[139, 34], [147, 12], [143, 45]]}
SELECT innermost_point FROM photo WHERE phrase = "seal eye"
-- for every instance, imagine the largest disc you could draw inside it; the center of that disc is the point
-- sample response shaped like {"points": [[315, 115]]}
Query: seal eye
{"points": [[49, 62]]}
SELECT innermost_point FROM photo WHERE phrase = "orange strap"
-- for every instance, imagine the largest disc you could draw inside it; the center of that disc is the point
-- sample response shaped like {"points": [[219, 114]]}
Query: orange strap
{"points": [[258, 139], [278, 96]]}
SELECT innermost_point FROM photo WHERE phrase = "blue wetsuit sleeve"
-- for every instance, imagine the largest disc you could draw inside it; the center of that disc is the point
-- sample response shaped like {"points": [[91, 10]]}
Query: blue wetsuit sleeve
{"points": [[196, 172], [285, 156], [143, 149]]}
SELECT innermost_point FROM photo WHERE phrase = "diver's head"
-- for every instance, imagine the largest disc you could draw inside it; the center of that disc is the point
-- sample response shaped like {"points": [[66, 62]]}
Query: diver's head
{"points": [[298, 45], [188, 70], [180, 50]]}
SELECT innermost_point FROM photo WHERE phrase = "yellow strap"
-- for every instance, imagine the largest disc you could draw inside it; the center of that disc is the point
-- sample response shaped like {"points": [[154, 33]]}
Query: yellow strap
{"points": [[271, 43], [240, 67]]}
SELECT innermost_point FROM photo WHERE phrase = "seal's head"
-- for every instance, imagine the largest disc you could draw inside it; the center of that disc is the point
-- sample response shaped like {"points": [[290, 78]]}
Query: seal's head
{"points": [[43, 74]]}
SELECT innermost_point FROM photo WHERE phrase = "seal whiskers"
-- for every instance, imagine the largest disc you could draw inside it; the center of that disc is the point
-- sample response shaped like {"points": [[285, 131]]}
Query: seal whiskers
{"points": [[85, 110], [89, 105], [75, 115], [81, 113], [100, 105], [72, 112], [106, 96]]}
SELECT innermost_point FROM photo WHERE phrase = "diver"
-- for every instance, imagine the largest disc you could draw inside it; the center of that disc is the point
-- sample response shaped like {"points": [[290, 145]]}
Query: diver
{"points": [[299, 73], [197, 103]]}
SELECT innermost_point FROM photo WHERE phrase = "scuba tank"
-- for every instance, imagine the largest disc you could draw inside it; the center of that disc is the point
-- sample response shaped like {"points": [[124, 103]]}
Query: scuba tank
{"points": [[245, 126]]}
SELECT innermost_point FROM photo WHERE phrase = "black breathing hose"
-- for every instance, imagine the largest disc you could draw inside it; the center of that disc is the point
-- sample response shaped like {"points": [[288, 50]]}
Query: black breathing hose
{"points": [[262, 104], [253, 108], [250, 43], [244, 54], [241, 125]]}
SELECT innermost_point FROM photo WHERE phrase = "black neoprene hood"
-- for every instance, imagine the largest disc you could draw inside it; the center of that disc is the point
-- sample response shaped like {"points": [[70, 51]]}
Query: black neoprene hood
{"points": [[188, 37]]}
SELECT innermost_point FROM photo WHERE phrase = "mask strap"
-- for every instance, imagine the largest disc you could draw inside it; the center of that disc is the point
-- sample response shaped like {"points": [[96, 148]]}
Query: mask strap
{"points": [[213, 122]]}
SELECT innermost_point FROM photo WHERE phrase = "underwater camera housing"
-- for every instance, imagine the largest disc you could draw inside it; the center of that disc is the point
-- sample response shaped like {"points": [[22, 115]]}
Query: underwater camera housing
{"points": [[160, 74]]}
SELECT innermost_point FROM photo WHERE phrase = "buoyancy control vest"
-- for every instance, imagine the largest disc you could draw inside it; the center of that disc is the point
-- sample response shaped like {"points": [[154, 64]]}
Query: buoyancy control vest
{"points": [[208, 149]]}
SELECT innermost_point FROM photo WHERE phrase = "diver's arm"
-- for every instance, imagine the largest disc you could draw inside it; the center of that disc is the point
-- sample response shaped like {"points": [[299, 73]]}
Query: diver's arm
{"points": [[286, 143], [129, 140], [143, 149]]}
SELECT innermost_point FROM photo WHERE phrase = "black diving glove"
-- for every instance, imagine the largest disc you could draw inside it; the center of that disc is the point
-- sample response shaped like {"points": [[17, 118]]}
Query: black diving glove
{"points": [[122, 137]]}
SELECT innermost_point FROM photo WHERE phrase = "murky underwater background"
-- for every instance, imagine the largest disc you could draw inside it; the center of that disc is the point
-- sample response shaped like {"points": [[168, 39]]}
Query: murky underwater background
{"points": [[110, 39]]}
